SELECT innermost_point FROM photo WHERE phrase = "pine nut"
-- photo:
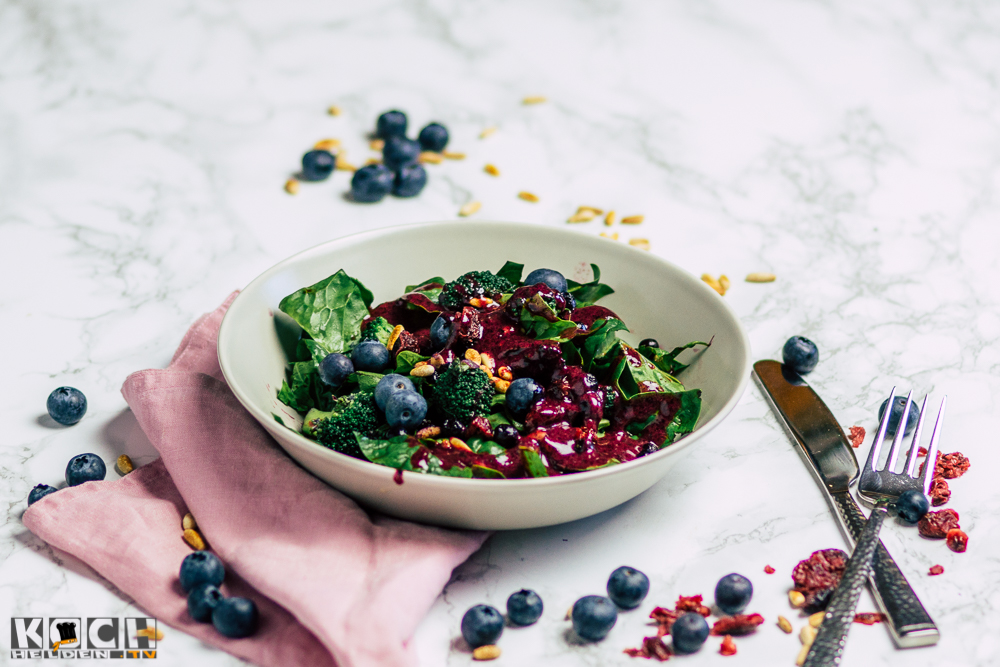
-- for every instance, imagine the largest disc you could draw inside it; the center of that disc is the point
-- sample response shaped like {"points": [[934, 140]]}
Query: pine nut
{"points": [[292, 186], [192, 537], [326, 144], [124, 464], [394, 336], [633, 219], [473, 356], [470, 208], [534, 99], [376, 144], [527, 196], [422, 371], [430, 157], [333, 110], [785, 625], [491, 169], [188, 522], [609, 219], [488, 652], [796, 599], [761, 277]]}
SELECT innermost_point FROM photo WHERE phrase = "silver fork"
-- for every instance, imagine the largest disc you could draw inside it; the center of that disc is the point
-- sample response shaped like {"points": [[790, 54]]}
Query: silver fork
{"points": [[881, 487]]}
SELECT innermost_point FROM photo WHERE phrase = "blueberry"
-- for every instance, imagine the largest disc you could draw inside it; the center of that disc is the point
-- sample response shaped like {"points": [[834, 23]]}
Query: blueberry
{"points": [[912, 505], [733, 593], [524, 607], [389, 385], [521, 394], [405, 409], [66, 405], [482, 625], [370, 355], [235, 617], [201, 567], [334, 369], [399, 151], [452, 428], [371, 183], [410, 180], [689, 632], [440, 332], [202, 601], [506, 435], [627, 587], [800, 354], [39, 492], [85, 468], [553, 279], [593, 617], [391, 124], [434, 137], [897, 412], [649, 342], [317, 165]]}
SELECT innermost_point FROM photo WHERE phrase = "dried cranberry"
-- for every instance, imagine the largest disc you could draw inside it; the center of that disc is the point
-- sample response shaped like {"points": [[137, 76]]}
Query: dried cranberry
{"points": [[664, 618], [768, 569], [822, 570], [740, 624], [857, 436], [936, 525], [652, 647], [479, 426], [869, 618], [692, 603], [728, 646], [957, 540], [939, 492], [951, 466], [405, 341], [935, 570]]}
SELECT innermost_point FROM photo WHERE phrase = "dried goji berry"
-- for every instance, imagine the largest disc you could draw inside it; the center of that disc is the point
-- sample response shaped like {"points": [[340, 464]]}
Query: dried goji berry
{"points": [[936, 570], [652, 647], [740, 624], [951, 465], [728, 646], [692, 603], [939, 491], [869, 618], [768, 569], [822, 570], [957, 540], [857, 436], [937, 524]]}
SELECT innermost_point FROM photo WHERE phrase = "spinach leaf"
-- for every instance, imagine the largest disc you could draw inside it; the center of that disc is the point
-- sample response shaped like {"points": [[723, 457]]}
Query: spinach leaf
{"points": [[587, 294], [378, 329], [598, 341], [541, 322], [406, 360], [430, 281], [656, 405], [366, 294], [634, 374], [331, 311], [484, 446], [511, 271], [667, 361], [687, 416], [397, 452], [303, 389], [367, 381], [533, 462], [482, 472]]}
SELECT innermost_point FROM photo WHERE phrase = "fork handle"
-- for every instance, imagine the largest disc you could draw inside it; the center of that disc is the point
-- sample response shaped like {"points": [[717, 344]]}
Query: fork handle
{"points": [[908, 621], [828, 647]]}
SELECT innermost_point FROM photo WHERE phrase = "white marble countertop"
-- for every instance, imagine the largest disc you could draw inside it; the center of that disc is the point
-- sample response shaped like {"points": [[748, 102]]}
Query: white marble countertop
{"points": [[852, 150]]}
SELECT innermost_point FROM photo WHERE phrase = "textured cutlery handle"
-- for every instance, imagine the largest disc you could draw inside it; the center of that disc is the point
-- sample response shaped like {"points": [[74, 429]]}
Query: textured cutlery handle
{"points": [[908, 621], [828, 647]]}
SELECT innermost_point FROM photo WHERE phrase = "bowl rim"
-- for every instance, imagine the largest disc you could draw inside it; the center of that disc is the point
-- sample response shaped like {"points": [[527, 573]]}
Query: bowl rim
{"points": [[462, 482]]}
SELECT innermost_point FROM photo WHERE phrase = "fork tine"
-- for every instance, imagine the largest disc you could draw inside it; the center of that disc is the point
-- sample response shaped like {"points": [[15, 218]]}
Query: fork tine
{"points": [[890, 462], [931, 460], [911, 455], [880, 436]]}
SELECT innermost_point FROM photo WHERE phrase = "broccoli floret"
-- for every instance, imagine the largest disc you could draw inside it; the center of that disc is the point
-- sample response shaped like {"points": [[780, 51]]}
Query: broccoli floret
{"points": [[473, 284], [354, 413], [462, 392], [378, 329]]}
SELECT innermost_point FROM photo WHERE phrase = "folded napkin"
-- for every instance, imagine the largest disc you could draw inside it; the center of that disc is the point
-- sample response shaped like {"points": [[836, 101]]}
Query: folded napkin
{"points": [[335, 584]]}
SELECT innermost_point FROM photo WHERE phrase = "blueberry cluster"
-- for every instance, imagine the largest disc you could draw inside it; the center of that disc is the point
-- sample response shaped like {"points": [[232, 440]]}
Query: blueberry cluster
{"points": [[399, 173], [81, 468], [201, 575], [482, 624]]}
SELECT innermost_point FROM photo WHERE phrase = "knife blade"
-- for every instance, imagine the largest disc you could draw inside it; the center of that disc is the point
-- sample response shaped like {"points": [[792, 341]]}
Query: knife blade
{"points": [[830, 457]]}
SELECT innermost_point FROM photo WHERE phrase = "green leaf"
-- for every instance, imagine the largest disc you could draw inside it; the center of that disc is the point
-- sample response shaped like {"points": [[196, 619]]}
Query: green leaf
{"points": [[366, 294], [571, 354], [687, 416], [657, 406], [367, 381], [407, 360], [378, 329], [430, 281], [331, 311], [598, 341], [667, 361], [397, 452], [587, 294], [511, 271], [484, 446], [533, 463], [541, 322], [303, 389], [497, 418], [482, 472], [635, 374]]}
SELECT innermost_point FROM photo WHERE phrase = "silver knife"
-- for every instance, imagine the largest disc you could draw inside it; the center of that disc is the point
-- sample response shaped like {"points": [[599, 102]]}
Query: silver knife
{"points": [[831, 458]]}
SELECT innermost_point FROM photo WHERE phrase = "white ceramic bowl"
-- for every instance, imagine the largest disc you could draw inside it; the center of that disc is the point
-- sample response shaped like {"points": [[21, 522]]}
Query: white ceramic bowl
{"points": [[655, 299]]}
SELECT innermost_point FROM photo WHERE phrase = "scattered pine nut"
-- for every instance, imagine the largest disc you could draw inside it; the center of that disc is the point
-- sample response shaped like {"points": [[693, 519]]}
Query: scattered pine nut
{"points": [[458, 443], [124, 464], [642, 244], [796, 599], [150, 633], [436, 360], [501, 385], [807, 635], [433, 432], [609, 219], [473, 356], [491, 169], [816, 619], [505, 373], [480, 302], [343, 164], [422, 371], [713, 283], [613, 236], [803, 652], [470, 208], [453, 155], [376, 144], [489, 362], [534, 99], [761, 277], [333, 110], [724, 283], [488, 131], [633, 219], [581, 216], [569, 614], [430, 157], [487, 652], [326, 144], [527, 196], [192, 537], [292, 186], [592, 209], [785, 625], [394, 336], [372, 160], [188, 522]]}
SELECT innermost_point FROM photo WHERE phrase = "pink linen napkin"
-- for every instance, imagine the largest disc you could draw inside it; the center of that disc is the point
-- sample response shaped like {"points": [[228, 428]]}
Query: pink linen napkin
{"points": [[334, 584]]}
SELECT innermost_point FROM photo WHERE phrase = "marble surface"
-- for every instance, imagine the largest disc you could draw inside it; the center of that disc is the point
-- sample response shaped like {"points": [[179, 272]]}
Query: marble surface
{"points": [[851, 148]]}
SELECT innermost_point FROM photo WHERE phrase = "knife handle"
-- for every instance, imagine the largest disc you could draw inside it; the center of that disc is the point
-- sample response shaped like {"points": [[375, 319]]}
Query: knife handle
{"points": [[909, 623]]}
